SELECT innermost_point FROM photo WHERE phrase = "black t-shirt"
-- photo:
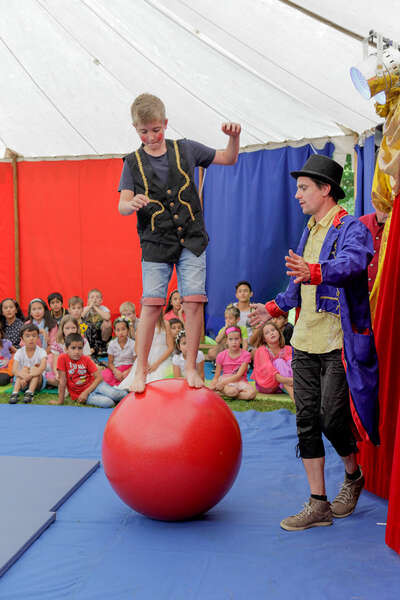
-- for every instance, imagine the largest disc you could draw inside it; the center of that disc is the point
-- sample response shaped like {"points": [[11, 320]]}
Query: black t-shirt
{"points": [[197, 155]]}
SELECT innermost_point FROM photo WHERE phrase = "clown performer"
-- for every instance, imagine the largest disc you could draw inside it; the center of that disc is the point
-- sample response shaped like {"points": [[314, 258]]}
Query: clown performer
{"points": [[157, 182], [333, 344]]}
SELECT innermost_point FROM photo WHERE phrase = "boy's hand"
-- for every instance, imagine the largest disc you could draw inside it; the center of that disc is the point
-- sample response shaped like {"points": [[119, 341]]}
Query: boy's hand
{"points": [[82, 398], [231, 129], [138, 202]]}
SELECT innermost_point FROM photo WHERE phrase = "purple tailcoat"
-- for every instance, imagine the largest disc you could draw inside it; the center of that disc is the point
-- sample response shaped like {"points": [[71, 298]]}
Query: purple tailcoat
{"points": [[343, 291]]}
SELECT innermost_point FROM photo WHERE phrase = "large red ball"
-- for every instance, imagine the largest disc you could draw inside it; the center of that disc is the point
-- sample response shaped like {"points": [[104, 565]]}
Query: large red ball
{"points": [[172, 452]]}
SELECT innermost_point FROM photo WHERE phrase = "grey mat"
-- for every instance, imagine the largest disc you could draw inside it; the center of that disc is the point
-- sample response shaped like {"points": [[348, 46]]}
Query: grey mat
{"points": [[31, 490]]}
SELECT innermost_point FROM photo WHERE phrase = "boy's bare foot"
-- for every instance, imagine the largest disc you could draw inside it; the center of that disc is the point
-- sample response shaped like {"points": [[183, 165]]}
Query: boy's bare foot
{"points": [[138, 383], [194, 379], [56, 402]]}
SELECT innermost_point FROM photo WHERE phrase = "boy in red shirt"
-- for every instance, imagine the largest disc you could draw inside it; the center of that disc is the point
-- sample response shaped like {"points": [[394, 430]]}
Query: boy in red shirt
{"points": [[83, 378]]}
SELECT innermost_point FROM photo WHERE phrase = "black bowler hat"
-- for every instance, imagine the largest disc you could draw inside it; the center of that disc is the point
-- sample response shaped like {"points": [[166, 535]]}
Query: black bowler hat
{"points": [[323, 169]]}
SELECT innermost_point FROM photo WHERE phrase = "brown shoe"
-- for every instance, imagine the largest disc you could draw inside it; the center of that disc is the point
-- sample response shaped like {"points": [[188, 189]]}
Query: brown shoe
{"points": [[346, 500], [316, 513]]}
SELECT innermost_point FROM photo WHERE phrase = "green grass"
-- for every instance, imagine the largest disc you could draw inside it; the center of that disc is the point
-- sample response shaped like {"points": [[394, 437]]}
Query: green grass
{"points": [[41, 398], [261, 403]]}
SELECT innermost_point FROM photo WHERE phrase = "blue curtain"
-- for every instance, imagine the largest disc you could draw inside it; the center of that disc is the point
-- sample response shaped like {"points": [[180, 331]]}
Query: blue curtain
{"points": [[365, 175], [252, 218]]}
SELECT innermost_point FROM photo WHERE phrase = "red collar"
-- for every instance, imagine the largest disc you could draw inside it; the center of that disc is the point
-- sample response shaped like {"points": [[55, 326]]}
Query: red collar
{"points": [[337, 221]]}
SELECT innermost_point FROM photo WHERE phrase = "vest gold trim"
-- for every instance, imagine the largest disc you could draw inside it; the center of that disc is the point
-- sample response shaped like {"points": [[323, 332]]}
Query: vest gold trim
{"points": [[187, 180], [146, 191]]}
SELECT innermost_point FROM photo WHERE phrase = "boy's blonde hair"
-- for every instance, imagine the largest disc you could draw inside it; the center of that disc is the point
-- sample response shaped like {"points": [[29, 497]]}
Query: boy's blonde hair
{"points": [[95, 290], [75, 300], [231, 308], [147, 108], [128, 305]]}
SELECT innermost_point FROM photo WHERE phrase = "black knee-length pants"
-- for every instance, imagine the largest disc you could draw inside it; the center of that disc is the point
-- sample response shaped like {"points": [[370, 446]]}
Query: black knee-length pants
{"points": [[322, 401]]}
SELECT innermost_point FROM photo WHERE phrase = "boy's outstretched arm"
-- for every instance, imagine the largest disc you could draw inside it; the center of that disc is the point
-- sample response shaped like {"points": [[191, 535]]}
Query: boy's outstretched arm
{"points": [[230, 154]]}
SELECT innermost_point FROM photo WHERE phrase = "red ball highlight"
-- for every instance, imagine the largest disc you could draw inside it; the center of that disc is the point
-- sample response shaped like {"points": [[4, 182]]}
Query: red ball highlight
{"points": [[173, 452]]}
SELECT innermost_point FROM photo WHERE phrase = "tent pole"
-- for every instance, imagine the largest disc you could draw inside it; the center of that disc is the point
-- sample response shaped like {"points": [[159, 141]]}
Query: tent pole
{"points": [[13, 155], [355, 167]]}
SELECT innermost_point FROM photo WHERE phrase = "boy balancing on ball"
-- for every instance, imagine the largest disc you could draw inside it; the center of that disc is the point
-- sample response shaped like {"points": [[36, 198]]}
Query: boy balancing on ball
{"points": [[157, 182]]}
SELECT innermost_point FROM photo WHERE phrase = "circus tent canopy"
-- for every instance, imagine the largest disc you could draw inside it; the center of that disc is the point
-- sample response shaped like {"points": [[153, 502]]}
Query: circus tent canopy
{"points": [[70, 70]]}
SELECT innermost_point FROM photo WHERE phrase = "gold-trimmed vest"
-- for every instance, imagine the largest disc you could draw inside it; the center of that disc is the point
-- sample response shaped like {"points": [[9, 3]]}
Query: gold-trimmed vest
{"points": [[173, 219]]}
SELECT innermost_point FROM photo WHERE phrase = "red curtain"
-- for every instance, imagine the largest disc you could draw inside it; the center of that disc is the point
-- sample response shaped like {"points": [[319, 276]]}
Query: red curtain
{"points": [[7, 271], [72, 237], [382, 465]]}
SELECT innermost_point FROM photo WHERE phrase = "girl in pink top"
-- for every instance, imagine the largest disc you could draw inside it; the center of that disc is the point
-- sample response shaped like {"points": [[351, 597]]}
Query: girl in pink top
{"points": [[174, 308], [231, 371], [272, 361]]}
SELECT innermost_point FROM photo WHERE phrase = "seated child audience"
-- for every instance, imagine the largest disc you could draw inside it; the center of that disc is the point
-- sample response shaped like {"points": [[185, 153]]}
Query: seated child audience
{"points": [[176, 326], [75, 309], [231, 372], [159, 360], [29, 365], [272, 361], [67, 325], [284, 326], [128, 310], [12, 319], [98, 319], [174, 308], [232, 316], [244, 294], [179, 359], [6, 358], [55, 302], [82, 378], [39, 315], [121, 353]]}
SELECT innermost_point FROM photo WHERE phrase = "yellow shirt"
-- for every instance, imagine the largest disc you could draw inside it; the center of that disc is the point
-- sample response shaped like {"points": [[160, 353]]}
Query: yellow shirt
{"points": [[316, 332]]}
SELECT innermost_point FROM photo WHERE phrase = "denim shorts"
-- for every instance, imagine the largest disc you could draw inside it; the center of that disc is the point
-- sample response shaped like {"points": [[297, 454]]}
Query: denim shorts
{"points": [[191, 271]]}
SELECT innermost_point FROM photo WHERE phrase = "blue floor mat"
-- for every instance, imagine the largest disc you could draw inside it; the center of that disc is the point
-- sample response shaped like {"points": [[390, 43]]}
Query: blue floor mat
{"points": [[100, 549]]}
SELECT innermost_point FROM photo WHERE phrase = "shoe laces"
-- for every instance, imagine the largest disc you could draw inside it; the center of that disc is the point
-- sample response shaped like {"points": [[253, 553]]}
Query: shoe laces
{"points": [[346, 492], [307, 510]]}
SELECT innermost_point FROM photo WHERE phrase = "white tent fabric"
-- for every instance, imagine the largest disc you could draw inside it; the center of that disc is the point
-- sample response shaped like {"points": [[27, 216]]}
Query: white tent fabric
{"points": [[71, 68]]}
